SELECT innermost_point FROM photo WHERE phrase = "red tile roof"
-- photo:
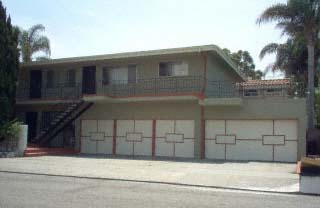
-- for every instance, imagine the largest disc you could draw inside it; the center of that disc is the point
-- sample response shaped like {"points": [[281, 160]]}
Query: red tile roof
{"points": [[266, 82]]}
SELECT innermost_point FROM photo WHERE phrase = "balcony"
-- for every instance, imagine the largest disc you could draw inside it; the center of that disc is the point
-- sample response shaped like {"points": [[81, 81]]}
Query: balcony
{"points": [[188, 87], [164, 86], [255, 89], [58, 92]]}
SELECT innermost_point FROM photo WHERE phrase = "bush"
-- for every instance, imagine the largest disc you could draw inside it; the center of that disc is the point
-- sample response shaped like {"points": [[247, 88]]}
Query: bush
{"points": [[10, 130]]}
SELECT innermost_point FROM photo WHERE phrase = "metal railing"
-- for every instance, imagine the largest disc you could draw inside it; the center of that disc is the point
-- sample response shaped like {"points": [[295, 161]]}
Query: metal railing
{"points": [[178, 85], [154, 86], [225, 89], [57, 91]]}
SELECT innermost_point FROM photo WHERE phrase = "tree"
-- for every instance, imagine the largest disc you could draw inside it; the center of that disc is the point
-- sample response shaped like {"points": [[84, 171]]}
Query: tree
{"points": [[291, 58], [299, 19], [245, 63], [31, 41], [9, 65]]}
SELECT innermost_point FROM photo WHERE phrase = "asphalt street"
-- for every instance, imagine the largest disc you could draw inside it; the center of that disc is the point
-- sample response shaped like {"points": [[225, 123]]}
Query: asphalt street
{"points": [[27, 190]]}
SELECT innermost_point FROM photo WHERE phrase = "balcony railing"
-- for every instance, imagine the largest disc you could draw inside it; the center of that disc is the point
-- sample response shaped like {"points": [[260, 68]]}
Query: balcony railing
{"points": [[58, 91], [226, 89], [151, 87], [168, 86]]}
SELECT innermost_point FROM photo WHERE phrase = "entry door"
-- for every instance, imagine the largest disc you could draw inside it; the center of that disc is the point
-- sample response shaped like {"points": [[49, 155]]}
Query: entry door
{"points": [[89, 80], [35, 83], [31, 120]]}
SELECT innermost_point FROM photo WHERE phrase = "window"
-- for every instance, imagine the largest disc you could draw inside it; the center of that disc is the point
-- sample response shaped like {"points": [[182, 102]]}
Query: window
{"points": [[105, 76], [274, 90], [50, 79], [119, 75], [132, 74], [173, 69], [70, 78], [252, 92]]}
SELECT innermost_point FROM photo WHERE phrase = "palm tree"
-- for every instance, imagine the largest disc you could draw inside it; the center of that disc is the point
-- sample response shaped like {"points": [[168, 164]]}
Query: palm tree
{"points": [[291, 58], [299, 19], [31, 41]]}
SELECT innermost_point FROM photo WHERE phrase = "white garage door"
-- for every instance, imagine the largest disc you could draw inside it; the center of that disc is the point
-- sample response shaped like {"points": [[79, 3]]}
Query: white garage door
{"points": [[175, 138], [134, 137], [264, 140], [96, 136]]}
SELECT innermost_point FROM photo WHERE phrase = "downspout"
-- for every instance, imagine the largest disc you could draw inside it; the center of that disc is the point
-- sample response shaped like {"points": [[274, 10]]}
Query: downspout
{"points": [[202, 119], [204, 83]]}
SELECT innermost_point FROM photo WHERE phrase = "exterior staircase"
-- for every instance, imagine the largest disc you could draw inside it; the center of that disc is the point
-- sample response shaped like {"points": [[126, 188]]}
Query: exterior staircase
{"points": [[34, 151], [64, 118]]}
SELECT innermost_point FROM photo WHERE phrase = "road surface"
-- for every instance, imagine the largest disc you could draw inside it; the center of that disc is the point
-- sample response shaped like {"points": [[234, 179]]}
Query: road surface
{"points": [[27, 190]]}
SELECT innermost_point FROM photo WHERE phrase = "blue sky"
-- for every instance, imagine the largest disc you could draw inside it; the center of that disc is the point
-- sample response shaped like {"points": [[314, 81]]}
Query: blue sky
{"points": [[89, 27]]}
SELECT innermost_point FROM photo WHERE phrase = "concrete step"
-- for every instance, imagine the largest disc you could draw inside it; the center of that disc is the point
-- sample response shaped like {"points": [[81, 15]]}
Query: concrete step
{"points": [[41, 151]]}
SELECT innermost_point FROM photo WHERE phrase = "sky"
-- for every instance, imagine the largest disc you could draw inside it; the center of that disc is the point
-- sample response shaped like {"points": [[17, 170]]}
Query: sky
{"points": [[92, 27]]}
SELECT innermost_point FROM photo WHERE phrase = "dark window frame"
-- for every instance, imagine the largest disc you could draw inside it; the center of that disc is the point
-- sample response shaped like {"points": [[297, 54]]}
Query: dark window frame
{"points": [[70, 77], [50, 79], [170, 70]]}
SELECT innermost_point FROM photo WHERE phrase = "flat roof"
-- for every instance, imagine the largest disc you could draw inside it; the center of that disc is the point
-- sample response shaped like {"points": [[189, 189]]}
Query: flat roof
{"points": [[137, 54]]}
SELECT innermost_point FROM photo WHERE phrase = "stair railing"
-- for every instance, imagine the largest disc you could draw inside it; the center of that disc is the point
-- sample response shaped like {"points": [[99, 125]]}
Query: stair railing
{"points": [[75, 96]]}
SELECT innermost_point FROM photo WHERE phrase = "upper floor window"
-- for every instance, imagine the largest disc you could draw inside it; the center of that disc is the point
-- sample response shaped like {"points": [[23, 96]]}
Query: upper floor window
{"points": [[50, 79], [119, 75], [251, 92], [173, 69], [70, 78]]}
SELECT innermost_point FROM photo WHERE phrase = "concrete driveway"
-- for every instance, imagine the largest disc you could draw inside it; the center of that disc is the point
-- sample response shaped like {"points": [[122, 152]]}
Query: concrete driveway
{"points": [[273, 177]]}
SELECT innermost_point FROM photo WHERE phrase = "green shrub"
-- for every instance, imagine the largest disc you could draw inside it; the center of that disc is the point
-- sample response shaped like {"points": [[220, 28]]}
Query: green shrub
{"points": [[10, 130]]}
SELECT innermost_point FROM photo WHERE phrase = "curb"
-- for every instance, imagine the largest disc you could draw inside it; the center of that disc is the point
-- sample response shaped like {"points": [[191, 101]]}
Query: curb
{"points": [[158, 182]]}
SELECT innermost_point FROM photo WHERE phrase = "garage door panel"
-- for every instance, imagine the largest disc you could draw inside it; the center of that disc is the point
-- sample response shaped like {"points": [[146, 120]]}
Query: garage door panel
{"points": [[163, 148], [88, 126], [249, 150], [214, 151], [88, 146], [144, 127], [163, 127], [249, 129], [264, 140], [143, 148], [287, 128], [175, 138], [185, 127], [185, 149], [123, 147], [214, 127], [105, 147], [286, 153], [106, 126], [124, 126], [134, 138]]}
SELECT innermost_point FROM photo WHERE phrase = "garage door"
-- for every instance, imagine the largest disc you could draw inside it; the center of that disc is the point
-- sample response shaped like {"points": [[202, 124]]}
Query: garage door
{"points": [[134, 137], [96, 136], [175, 138], [263, 140]]}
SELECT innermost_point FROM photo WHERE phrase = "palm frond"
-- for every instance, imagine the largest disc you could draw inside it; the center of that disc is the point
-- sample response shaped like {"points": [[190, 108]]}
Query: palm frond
{"points": [[41, 44], [35, 30], [268, 49], [277, 12]]}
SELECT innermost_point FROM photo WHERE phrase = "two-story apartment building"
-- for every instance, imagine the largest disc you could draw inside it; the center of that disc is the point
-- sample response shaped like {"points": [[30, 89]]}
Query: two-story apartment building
{"points": [[184, 102]]}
